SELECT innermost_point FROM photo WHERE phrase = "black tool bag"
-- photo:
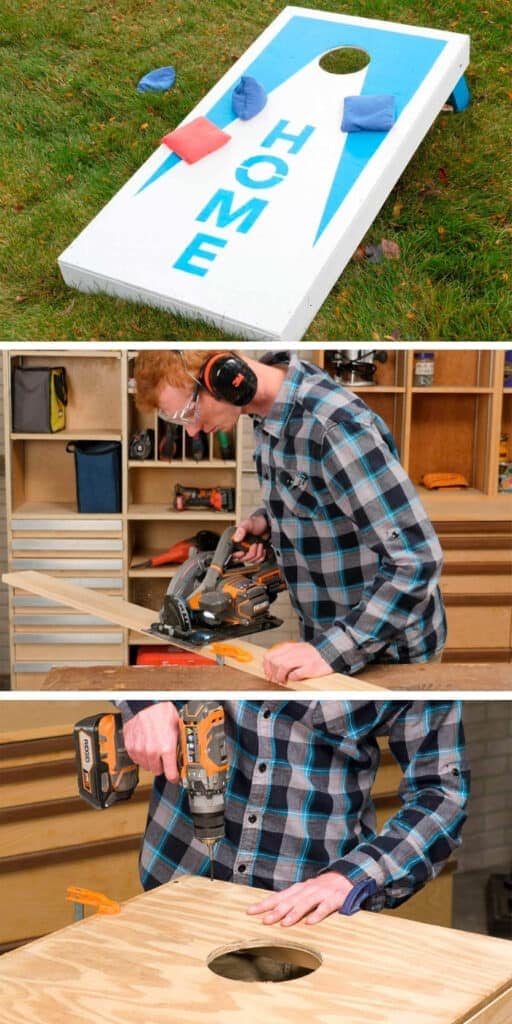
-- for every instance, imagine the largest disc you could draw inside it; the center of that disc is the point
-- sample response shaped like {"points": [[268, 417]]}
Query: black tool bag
{"points": [[98, 475], [39, 399]]}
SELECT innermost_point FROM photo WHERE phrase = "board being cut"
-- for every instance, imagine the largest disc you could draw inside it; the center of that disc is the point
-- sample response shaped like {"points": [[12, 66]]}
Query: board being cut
{"points": [[253, 236], [139, 619], [149, 965]]}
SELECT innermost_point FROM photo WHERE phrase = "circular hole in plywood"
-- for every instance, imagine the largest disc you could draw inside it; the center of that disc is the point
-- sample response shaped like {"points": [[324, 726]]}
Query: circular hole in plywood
{"points": [[345, 60], [259, 962]]}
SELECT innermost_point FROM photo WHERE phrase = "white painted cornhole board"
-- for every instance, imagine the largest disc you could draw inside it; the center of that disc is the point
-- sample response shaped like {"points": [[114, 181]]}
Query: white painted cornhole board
{"points": [[253, 237]]}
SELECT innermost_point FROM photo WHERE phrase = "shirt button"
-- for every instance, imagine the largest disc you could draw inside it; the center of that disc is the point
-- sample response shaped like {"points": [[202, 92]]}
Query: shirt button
{"points": [[241, 869], [265, 475], [277, 552], [262, 767], [267, 713], [251, 819]]}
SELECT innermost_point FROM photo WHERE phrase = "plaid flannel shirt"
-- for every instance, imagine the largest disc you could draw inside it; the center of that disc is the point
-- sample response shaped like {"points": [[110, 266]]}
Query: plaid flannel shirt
{"points": [[298, 798], [359, 554]]}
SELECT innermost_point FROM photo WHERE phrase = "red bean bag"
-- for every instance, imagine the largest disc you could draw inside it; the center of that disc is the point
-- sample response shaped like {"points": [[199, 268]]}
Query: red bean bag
{"points": [[196, 139]]}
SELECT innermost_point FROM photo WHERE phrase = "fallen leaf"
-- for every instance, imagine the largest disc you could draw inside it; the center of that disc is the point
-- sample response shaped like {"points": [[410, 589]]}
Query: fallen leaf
{"points": [[390, 250], [441, 230], [442, 175], [20, 298], [397, 209], [144, 126], [359, 254]]}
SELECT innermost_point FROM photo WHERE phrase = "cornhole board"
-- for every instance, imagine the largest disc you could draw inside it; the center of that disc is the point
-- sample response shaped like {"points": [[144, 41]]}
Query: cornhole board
{"points": [[150, 963], [139, 619], [253, 237]]}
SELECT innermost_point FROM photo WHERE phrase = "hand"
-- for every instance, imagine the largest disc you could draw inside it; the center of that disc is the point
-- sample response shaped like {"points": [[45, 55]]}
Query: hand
{"points": [[151, 739], [258, 526], [290, 661], [309, 901]]}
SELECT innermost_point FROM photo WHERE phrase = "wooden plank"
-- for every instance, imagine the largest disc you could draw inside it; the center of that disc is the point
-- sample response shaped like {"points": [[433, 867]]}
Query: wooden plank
{"points": [[155, 954], [497, 1012], [139, 619]]}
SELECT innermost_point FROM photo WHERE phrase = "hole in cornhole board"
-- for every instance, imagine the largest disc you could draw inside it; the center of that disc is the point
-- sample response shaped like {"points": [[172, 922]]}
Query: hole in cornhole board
{"points": [[344, 60], [260, 962]]}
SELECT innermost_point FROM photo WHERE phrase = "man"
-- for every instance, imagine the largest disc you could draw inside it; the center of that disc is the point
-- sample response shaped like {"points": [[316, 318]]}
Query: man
{"points": [[358, 552], [299, 817]]}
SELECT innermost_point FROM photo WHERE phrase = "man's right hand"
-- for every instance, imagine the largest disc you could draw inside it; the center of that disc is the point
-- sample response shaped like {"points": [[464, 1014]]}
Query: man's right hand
{"points": [[257, 526], [151, 739]]}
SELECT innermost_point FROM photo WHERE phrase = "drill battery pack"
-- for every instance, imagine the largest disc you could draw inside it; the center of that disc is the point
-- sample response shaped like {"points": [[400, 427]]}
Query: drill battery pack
{"points": [[106, 773]]}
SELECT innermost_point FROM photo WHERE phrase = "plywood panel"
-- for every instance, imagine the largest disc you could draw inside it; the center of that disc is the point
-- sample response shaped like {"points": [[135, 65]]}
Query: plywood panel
{"points": [[150, 963]]}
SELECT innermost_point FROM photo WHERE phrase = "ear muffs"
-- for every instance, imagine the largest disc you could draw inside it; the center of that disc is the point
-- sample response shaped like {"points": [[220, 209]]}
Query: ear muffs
{"points": [[228, 378]]}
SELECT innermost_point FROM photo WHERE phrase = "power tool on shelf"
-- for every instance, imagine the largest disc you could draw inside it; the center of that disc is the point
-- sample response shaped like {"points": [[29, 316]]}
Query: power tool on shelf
{"points": [[212, 598], [221, 499], [107, 775]]}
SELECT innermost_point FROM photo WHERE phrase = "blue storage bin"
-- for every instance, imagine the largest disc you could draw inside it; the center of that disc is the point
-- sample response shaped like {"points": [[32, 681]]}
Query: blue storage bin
{"points": [[98, 475]]}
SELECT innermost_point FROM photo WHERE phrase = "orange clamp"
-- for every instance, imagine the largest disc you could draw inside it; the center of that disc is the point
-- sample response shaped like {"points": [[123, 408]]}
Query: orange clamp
{"points": [[224, 650], [89, 898]]}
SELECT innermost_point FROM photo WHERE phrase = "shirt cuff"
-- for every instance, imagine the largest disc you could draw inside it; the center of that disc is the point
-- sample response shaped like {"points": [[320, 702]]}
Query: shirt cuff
{"points": [[359, 893], [340, 652], [360, 868], [130, 708]]}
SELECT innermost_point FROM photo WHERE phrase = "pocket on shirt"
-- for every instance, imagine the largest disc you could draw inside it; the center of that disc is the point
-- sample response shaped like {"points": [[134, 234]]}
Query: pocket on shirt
{"points": [[295, 493]]}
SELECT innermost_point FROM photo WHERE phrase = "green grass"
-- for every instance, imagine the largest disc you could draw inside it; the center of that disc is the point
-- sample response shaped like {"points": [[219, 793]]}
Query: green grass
{"points": [[73, 129]]}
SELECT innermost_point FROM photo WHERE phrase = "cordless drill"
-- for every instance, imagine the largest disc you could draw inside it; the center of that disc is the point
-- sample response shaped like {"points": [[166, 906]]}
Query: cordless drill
{"points": [[203, 767], [106, 773]]}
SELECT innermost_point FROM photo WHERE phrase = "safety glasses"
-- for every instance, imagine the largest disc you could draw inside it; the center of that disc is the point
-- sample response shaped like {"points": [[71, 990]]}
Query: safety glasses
{"points": [[189, 413]]}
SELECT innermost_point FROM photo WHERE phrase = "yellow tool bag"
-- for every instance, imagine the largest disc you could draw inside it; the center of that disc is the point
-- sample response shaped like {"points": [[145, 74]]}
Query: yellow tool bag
{"points": [[39, 399]]}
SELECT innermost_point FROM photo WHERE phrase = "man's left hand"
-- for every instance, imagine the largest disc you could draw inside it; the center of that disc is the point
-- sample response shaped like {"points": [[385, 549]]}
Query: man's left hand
{"points": [[309, 901], [290, 661]]}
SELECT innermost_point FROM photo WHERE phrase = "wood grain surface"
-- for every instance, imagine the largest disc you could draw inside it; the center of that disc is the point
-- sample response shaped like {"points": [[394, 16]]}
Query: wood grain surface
{"points": [[423, 677], [148, 965]]}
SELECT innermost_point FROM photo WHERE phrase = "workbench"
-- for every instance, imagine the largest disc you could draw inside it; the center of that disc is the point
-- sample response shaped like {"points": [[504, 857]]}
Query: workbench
{"points": [[151, 964], [422, 677]]}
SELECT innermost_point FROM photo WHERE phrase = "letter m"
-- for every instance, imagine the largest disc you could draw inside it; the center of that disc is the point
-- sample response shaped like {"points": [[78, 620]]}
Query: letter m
{"points": [[222, 204]]}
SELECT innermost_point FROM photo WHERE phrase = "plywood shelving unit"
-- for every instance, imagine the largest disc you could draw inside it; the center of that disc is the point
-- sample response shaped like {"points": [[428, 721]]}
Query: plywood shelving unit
{"points": [[47, 533]]}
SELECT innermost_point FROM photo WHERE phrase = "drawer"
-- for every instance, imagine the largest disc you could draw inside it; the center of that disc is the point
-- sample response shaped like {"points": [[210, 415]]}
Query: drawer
{"points": [[72, 527], [34, 896], [479, 626], [64, 564]]}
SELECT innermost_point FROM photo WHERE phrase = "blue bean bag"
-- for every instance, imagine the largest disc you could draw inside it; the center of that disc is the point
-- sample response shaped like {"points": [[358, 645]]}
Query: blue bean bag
{"points": [[249, 97], [159, 80], [368, 113]]}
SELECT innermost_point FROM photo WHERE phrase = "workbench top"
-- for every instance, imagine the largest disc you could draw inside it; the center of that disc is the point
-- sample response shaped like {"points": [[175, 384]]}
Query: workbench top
{"points": [[424, 676], [149, 965]]}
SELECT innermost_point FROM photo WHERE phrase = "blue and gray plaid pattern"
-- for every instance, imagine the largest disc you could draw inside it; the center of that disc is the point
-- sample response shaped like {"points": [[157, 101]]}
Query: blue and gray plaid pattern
{"points": [[299, 800], [359, 554]]}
